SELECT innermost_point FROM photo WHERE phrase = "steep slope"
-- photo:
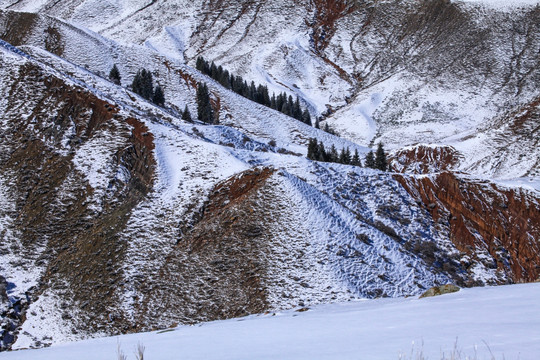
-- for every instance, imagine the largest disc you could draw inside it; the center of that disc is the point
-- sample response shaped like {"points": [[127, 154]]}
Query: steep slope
{"points": [[119, 216], [401, 72], [73, 167]]}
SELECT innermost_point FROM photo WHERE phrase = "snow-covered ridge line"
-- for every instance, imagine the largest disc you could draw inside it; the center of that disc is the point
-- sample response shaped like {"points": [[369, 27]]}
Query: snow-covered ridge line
{"points": [[13, 49]]}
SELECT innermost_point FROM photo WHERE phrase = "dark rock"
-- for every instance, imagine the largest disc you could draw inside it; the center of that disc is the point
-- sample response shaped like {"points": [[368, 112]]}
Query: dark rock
{"points": [[3, 290]]}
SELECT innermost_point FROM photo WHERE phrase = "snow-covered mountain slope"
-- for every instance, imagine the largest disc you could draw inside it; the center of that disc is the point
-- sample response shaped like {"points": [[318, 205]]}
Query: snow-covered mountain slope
{"points": [[118, 216], [173, 222], [482, 323], [402, 72]]}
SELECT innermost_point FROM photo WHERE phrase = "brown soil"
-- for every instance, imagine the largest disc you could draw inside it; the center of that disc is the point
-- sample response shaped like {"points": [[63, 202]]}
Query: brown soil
{"points": [[54, 203], [220, 262]]}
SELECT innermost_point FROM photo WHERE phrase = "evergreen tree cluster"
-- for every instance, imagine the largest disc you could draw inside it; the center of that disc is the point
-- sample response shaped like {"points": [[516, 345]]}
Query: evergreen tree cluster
{"points": [[377, 160], [317, 151], [143, 85], [258, 93]]}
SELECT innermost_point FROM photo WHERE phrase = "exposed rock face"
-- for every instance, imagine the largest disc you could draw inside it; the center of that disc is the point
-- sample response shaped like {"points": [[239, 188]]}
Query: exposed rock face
{"points": [[440, 290], [485, 219], [423, 159]]}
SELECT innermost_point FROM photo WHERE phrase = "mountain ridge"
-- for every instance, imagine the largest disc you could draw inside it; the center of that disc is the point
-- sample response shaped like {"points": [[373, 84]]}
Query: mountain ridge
{"points": [[178, 222]]}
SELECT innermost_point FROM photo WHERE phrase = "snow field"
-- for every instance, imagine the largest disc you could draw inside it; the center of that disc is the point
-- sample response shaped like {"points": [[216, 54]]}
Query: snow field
{"points": [[481, 323]]}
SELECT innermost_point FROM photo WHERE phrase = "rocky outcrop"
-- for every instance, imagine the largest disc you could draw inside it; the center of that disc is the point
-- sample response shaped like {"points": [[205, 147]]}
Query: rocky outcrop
{"points": [[483, 218], [440, 290], [425, 159]]}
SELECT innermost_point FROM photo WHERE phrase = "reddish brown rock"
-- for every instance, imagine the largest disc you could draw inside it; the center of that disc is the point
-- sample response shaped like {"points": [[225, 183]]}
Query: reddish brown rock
{"points": [[424, 159], [483, 216]]}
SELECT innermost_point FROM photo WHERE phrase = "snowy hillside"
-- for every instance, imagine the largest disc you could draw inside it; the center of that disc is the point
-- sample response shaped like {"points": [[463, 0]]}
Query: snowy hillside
{"points": [[482, 323], [118, 216], [395, 72]]}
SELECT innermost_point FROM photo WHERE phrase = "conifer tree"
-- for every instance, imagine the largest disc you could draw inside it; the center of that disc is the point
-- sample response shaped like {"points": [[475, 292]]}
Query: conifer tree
{"points": [[370, 160], [204, 107], [279, 102], [342, 157], [114, 75], [213, 71], [317, 124], [380, 158], [296, 110], [290, 103], [158, 97], [286, 109], [333, 155], [136, 85], [323, 155], [356, 159], [225, 79], [306, 117], [186, 115], [313, 149], [348, 156], [142, 84], [199, 65], [273, 103]]}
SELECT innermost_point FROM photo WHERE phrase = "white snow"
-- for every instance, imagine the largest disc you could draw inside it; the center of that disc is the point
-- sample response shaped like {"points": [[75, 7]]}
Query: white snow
{"points": [[500, 3], [481, 323]]}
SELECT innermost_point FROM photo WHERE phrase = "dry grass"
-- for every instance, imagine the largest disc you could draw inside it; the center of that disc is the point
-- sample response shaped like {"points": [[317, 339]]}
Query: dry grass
{"points": [[455, 354]]}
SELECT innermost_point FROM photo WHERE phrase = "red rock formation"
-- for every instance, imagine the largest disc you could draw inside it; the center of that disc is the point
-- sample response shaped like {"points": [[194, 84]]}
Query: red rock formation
{"points": [[484, 216], [423, 159]]}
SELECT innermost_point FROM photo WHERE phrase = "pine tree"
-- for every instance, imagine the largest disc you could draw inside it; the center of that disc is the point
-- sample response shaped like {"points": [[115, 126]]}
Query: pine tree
{"points": [[380, 158], [213, 71], [348, 156], [186, 115], [273, 103], [296, 110], [313, 149], [323, 155], [333, 155], [356, 159], [199, 65], [158, 97], [114, 75], [238, 83], [317, 124], [370, 160], [342, 157], [225, 79], [286, 109], [306, 117], [148, 87], [136, 85], [142, 84], [279, 102], [290, 103], [204, 108]]}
